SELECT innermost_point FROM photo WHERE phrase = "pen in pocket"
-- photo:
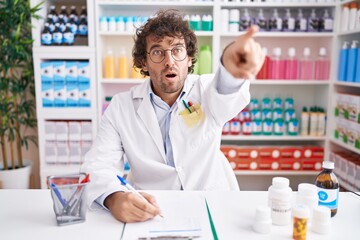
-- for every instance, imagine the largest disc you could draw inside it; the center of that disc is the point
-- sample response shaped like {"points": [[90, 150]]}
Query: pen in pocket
{"points": [[187, 107]]}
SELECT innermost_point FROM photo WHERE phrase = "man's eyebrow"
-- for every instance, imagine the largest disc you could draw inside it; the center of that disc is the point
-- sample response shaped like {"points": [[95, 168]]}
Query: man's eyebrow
{"points": [[172, 45]]}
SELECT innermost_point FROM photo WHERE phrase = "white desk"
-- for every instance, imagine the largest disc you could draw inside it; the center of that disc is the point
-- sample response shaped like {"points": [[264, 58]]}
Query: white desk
{"points": [[28, 214]]}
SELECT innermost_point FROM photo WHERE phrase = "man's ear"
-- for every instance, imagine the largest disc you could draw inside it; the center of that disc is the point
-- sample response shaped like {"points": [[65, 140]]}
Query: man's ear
{"points": [[144, 66], [189, 62]]}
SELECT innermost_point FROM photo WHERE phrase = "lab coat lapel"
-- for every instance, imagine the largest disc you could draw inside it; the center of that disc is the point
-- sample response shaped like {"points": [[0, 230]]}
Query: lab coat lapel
{"points": [[147, 114]]}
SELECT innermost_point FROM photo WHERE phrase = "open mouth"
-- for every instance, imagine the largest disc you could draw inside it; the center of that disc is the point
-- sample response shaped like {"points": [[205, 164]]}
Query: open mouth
{"points": [[170, 75]]}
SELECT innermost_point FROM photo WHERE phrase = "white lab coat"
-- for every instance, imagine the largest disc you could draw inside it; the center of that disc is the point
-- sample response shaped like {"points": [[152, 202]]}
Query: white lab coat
{"points": [[129, 127]]}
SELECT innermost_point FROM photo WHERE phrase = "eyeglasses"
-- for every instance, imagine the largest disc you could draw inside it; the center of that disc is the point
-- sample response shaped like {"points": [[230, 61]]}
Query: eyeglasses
{"points": [[157, 55]]}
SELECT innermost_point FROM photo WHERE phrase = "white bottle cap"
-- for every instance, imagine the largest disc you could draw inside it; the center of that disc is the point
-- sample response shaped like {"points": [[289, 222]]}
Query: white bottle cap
{"points": [[280, 182], [306, 51], [321, 222], [262, 222], [277, 51], [301, 211], [322, 51], [307, 189], [291, 52], [328, 165]]}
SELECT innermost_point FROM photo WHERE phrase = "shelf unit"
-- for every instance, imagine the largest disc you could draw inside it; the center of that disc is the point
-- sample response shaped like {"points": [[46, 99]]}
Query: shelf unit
{"points": [[84, 52], [317, 92]]}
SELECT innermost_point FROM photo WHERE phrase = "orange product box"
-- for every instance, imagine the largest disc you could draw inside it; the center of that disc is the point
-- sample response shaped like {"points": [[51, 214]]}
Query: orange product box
{"points": [[294, 164], [313, 152], [248, 152], [247, 164], [312, 164], [291, 152], [268, 164], [269, 152], [230, 153]]}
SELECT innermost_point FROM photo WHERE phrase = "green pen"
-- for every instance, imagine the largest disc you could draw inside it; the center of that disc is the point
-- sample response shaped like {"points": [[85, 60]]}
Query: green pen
{"points": [[187, 107]]}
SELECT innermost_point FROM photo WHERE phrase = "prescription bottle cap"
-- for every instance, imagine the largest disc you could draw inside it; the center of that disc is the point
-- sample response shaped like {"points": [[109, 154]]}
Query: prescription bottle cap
{"points": [[321, 220], [301, 211], [328, 165], [280, 182], [307, 190]]}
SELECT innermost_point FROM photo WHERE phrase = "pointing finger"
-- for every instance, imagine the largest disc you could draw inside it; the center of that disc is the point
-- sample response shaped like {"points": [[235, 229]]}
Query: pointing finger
{"points": [[250, 32]]}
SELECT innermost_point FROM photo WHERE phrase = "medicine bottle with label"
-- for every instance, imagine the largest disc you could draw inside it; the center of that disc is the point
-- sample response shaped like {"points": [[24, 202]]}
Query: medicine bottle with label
{"points": [[328, 187], [280, 201]]}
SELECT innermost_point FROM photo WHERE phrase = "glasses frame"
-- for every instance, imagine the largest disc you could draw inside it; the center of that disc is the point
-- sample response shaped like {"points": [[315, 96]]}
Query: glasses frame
{"points": [[171, 53]]}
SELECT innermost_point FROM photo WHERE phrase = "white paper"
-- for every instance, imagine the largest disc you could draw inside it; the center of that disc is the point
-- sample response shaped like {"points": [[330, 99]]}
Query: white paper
{"points": [[185, 214]]}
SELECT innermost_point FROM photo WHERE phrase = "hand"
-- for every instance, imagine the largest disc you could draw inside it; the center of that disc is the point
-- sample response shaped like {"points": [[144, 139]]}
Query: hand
{"points": [[244, 57], [128, 207]]}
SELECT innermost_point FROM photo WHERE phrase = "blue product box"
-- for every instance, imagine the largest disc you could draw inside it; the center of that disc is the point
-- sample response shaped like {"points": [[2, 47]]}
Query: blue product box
{"points": [[47, 94], [59, 72], [84, 94], [83, 71], [59, 95], [46, 72]]}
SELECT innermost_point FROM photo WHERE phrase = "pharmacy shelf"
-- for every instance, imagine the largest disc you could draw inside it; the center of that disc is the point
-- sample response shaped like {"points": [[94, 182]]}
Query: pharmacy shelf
{"points": [[156, 3], [345, 185], [351, 32], [271, 138], [275, 172], [344, 145], [130, 34], [289, 82], [347, 84], [85, 113], [273, 5], [64, 51], [284, 34]]}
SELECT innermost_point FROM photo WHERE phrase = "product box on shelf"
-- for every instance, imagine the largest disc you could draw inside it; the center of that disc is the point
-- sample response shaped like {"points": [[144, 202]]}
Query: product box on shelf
{"points": [[269, 152], [312, 164], [313, 152], [290, 164], [291, 152], [268, 164], [47, 84], [247, 163]]}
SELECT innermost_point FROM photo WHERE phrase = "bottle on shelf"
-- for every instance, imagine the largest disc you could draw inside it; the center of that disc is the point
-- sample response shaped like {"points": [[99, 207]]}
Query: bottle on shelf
{"points": [[53, 13], [63, 14], [83, 27], [313, 22], [321, 126], [351, 62], [123, 64], [322, 66], [306, 66], [313, 128], [264, 71], [57, 35], [51, 23], [345, 12], [328, 187], [109, 65], [326, 22], [305, 117], [344, 53], [234, 20], [245, 20], [205, 60], [291, 65], [275, 22], [352, 15], [261, 21], [73, 14], [277, 65], [46, 36], [83, 13], [288, 22], [300, 22], [68, 36]]}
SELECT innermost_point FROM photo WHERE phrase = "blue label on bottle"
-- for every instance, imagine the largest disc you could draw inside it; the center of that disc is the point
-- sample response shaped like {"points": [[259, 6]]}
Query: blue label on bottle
{"points": [[328, 197], [46, 39]]}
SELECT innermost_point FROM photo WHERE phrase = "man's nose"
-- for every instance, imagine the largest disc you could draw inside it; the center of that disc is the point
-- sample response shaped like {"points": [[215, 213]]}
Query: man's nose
{"points": [[169, 60]]}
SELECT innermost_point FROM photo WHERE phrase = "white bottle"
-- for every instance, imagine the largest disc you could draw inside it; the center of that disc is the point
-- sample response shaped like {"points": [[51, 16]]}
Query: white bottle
{"points": [[352, 15], [112, 24], [280, 201], [304, 122], [344, 26], [104, 24], [321, 128], [307, 195], [314, 120], [225, 20], [234, 20]]}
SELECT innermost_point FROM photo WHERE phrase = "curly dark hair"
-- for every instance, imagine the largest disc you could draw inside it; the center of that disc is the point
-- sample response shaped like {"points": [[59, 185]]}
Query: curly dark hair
{"points": [[166, 23]]}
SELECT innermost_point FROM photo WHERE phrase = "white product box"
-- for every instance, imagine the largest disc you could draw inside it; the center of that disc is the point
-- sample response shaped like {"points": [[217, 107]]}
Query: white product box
{"points": [[72, 95], [74, 152], [74, 131], [85, 147], [354, 108], [62, 131], [62, 150], [86, 131], [50, 152], [50, 131], [71, 71]]}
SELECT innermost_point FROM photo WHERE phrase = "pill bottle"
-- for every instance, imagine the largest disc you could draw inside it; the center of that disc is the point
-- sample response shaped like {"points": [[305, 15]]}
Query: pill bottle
{"points": [[279, 201]]}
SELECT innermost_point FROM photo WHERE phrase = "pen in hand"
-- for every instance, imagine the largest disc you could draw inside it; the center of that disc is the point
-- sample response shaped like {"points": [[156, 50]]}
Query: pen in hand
{"points": [[133, 190]]}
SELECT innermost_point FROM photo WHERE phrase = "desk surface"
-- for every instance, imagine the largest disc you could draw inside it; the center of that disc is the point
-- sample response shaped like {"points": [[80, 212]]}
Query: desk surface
{"points": [[28, 214]]}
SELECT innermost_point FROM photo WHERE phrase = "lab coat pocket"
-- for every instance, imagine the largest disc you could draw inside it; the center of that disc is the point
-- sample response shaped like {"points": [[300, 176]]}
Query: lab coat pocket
{"points": [[195, 117]]}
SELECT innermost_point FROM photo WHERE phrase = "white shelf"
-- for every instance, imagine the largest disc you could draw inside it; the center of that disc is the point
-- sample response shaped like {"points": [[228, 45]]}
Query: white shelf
{"points": [[78, 113], [289, 82], [275, 172], [271, 5], [122, 80], [347, 84], [155, 3], [283, 34], [356, 31], [344, 145], [63, 50], [270, 138]]}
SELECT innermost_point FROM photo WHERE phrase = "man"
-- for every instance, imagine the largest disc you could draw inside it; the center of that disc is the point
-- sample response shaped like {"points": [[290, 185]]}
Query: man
{"points": [[169, 128]]}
